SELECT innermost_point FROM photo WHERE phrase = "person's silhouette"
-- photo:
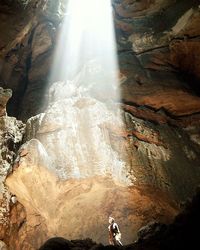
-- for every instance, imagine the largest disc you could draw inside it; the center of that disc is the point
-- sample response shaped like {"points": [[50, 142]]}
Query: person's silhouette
{"points": [[114, 232]]}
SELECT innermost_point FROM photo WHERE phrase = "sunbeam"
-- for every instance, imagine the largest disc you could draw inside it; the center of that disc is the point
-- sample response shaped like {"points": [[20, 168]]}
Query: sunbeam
{"points": [[87, 40]]}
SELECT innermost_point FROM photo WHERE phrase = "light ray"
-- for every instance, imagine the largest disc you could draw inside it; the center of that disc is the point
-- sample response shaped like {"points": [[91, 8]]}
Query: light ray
{"points": [[87, 39]]}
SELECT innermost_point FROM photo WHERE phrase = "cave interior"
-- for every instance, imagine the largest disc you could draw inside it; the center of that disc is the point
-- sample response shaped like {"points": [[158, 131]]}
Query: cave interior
{"points": [[99, 117]]}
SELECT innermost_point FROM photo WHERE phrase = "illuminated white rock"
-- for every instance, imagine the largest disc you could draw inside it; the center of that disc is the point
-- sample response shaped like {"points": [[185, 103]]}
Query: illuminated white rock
{"points": [[74, 134]]}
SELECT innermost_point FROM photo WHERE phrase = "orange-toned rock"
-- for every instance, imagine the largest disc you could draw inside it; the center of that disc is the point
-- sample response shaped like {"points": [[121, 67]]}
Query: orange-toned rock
{"points": [[84, 159], [70, 208]]}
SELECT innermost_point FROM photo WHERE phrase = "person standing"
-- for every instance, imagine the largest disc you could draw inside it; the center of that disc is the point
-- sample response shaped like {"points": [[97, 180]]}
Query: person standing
{"points": [[114, 232]]}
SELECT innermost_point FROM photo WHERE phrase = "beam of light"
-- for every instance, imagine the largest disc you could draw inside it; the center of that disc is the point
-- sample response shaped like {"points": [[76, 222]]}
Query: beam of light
{"points": [[87, 39], [86, 58]]}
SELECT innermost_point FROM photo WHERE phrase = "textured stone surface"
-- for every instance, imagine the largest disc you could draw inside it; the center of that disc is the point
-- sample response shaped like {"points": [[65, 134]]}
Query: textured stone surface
{"points": [[75, 215], [110, 141], [3, 246], [181, 234], [80, 135], [79, 149], [5, 95], [163, 71], [17, 228], [153, 37], [24, 43], [11, 132]]}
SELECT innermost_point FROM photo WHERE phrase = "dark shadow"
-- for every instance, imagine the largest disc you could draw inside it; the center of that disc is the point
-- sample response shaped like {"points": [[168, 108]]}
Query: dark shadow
{"points": [[55, 244]]}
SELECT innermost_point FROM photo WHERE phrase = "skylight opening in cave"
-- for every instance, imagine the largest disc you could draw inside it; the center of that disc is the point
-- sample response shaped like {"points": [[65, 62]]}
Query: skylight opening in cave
{"points": [[87, 43]]}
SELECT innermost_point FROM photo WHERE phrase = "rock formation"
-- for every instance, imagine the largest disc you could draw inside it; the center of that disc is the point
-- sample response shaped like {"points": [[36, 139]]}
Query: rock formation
{"points": [[107, 161], [181, 234], [85, 156], [11, 132], [158, 52], [69, 183]]}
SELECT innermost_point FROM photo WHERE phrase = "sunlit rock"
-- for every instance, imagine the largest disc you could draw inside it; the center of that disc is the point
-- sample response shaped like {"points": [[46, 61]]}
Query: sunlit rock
{"points": [[3, 246], [81, 122], [11, 133], [85, 158], [90, 159], [71, 208]]}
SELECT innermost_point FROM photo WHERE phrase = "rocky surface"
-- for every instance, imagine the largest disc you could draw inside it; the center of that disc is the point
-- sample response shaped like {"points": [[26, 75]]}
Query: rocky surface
{"points": [[107, 161], [24, 48], [158, 54], [5, 95], [88, 173], [154, 54], [3, 246], [11, 133], [140, 155], [181, 234]]}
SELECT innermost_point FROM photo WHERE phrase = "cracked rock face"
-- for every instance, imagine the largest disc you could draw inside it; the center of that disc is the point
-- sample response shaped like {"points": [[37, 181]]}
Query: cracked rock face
{"points": [[95, 159], [158, 43], [11, 133]]}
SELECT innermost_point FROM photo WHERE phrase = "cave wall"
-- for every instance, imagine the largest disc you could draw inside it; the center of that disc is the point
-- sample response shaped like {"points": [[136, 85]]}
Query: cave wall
{"points": [[158, 51], [11, 133], [24, 48], [158, 45]]}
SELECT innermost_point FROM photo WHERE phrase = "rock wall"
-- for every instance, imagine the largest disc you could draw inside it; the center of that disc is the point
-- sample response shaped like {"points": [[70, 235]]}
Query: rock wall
{"points": [[158, 52], [85, 157], [91, 159], [11, 132], [25, 46], [78, 165]]}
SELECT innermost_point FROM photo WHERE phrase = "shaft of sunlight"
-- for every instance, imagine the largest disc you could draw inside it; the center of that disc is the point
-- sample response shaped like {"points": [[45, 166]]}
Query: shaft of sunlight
{"points": [[86, 95], [87, 39]]}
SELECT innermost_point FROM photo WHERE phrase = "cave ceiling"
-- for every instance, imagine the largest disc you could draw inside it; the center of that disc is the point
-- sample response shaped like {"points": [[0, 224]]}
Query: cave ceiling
{"points": [[158, 51]]}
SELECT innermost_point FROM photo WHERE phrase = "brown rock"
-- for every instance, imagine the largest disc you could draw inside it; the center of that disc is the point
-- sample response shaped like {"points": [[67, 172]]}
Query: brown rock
{"points": [[185, 56], [5, 95], [98, 195]]}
